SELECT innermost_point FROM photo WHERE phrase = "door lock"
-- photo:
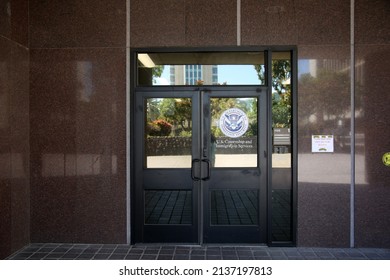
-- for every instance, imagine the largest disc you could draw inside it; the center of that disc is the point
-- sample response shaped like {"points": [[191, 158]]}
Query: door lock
{"points": [[193, 167], [208, 169]]}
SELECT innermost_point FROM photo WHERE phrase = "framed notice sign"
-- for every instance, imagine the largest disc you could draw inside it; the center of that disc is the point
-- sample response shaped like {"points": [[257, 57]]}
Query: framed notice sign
{"points": [[322, 143]]}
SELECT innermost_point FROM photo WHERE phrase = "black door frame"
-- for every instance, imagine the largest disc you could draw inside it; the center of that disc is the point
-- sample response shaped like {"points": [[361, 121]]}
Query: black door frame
{"points": [[231, 234], [176, 179], [294, 102], [247, 179]]}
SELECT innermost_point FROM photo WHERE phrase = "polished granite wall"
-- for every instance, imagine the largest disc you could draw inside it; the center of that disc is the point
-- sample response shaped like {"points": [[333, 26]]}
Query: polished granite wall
{"points": [[321, 32], [78, 121], [372, 124], [77, 109], [14, 127]]}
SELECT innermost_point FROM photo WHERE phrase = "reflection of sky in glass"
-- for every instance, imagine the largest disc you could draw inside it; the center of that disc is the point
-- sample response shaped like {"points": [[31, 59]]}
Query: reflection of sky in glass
{"points": [[165, 76], [238, 75], [303, 66], [84, 78], [231, 74]]}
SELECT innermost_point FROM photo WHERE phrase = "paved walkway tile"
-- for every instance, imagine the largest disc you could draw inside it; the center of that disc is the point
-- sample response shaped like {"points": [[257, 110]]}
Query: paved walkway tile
{"points": [[52, 251]]}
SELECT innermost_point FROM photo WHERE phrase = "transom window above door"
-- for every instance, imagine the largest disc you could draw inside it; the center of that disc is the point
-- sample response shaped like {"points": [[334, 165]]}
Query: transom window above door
{"points": [[201, 68]]}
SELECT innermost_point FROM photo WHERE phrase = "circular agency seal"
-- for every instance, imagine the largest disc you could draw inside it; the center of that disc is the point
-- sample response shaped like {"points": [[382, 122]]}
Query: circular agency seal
{"points": [[233, 122]]}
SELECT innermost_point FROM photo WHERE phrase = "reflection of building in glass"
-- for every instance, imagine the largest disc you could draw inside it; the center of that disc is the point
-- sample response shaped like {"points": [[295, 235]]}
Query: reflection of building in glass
{"points": [[192, 74], [335, 65]]}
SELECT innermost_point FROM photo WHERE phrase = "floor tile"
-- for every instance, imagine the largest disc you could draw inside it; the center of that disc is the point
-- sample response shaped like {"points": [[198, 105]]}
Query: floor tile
{"points": [[230, 257], [165, 257], [117, 257], [149, 257], [213, 257], [260, 254], [198, 252], [181, 257], [132, 257], [101, 256], [197, 257], [52, 251]]}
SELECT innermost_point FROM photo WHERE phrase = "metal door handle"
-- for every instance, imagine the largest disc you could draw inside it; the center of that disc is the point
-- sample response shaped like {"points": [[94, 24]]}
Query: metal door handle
{"points": [[208, 169], [194, 178]]}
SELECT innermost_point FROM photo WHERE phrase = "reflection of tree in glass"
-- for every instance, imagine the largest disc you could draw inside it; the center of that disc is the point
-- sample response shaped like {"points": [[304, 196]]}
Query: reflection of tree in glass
{"points": [[281, 91], [152, 108], [178, 111], [159, 128], [320, 92], [157, 72], [175, 111]]}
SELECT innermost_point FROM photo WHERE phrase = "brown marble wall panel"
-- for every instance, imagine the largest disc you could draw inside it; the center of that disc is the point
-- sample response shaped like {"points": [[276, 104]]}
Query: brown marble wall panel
{"points": [[20, 148], [323, 215], [20, 204], [324, 103], [14, 147], [183, 23], [5, 150], [373, 140], [323, 95], [268, 22], [52, 106], [5, 217], [5, 95], [78, 136], [372, 25], [373, 76], [89, 23], [18, 73], [157, 23], [52, 209], [211, 23], [322, 22], [14, 20], [98, 203]]}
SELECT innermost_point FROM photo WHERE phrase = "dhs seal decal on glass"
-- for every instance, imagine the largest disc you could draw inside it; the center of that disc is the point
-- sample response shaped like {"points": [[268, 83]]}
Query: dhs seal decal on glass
{"points": [[233, 123]]}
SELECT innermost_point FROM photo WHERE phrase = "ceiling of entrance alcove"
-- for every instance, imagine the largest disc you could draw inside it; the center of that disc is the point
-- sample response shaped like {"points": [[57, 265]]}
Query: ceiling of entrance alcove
{"points": [[207, 58], [213, 58]]}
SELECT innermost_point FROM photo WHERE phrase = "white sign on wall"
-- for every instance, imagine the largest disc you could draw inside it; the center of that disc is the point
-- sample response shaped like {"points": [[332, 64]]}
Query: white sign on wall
{"points": [[322, 143]]}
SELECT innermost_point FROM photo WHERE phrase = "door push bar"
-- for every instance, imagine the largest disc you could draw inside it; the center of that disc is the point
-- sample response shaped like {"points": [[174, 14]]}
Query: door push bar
{"points": [[194, 164]]}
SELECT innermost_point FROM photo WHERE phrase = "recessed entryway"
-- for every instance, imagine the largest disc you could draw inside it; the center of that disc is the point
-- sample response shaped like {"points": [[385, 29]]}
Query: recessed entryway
{"points": [[203, 149]]}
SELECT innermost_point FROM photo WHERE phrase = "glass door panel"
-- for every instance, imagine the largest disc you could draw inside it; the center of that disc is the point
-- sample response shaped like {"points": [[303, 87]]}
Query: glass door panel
{"points": [[234, 132], [167, 197], [234, 209], [200, 175], [168, 132], [168, 207]]}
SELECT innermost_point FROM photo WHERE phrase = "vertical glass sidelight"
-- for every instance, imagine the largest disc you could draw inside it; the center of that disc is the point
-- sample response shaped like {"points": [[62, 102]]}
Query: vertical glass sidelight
{"points": [[234, 125], [281, 147], [168, 132]]}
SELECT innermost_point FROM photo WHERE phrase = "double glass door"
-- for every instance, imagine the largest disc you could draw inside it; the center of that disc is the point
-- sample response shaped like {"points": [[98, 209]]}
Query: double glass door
{"points": [[200, 168]]}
